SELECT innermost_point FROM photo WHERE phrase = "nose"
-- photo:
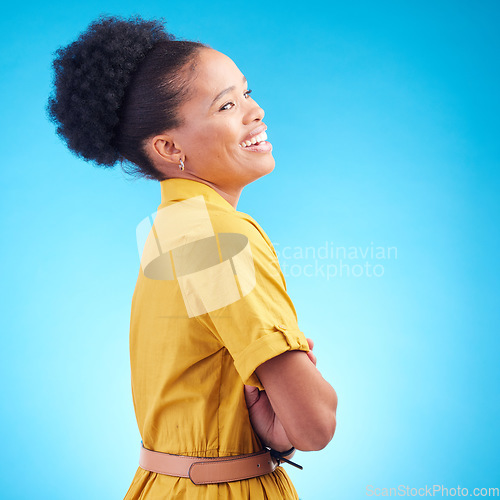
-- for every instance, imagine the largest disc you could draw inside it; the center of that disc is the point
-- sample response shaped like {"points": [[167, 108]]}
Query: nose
{"points": [[254, 112]]}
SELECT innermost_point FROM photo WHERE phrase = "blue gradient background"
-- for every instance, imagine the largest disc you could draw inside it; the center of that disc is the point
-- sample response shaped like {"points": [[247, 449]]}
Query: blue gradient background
{"points": [[384, 118]]}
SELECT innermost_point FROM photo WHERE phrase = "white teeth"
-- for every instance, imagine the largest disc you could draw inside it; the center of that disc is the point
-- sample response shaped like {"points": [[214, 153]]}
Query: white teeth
{"points": [[258, 138]]}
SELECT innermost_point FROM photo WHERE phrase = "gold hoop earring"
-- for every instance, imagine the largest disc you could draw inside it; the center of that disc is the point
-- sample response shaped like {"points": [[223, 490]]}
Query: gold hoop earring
{"points": [[181, 164]]}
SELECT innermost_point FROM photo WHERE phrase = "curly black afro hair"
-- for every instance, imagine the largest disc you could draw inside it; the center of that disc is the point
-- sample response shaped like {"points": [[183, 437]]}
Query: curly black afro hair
{"points": [[116, 85]]}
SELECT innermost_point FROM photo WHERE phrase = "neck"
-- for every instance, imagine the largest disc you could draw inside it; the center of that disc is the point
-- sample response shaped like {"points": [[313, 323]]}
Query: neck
{"points": [[231, 198], [231, 195]]}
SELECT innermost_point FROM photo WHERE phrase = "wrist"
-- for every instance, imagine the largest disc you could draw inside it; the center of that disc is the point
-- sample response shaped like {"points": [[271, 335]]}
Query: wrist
{"points": [[285, 456], [283, 453], [278, 447]]}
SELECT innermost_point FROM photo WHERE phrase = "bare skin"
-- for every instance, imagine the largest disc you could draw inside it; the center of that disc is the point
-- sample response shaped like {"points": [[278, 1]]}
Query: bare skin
{"points": [[216, 119], [298, 406]]}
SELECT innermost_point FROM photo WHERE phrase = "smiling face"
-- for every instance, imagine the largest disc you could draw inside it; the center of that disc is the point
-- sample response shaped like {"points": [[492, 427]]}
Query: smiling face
{"points": [[222, 138]]}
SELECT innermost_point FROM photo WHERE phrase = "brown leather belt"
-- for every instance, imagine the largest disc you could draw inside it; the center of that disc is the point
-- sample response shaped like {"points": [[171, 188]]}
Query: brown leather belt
{"points": [[208, 470]]}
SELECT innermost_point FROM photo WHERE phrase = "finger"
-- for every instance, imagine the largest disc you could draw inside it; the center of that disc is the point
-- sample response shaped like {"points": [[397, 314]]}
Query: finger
{"points": [[251, 395], [311, 343], [312, 357]]}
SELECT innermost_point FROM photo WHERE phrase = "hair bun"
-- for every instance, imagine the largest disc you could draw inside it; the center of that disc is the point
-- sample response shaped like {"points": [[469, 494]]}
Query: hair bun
{"points": [[91, 78]]}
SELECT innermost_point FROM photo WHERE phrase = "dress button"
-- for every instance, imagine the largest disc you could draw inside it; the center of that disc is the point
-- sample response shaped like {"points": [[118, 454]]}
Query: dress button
{"points": [[283, 327]]}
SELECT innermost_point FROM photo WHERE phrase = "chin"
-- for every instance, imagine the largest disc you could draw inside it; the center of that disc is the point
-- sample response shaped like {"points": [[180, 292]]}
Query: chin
{"points": [[266, 166]]}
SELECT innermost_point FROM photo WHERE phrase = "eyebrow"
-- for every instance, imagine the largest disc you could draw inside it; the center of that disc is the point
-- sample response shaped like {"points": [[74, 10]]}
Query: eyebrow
{"points": [[229, 89]]}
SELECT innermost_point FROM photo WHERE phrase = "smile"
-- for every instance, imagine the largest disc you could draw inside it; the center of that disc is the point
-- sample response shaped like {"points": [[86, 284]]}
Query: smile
{"points": [[254, 140]]}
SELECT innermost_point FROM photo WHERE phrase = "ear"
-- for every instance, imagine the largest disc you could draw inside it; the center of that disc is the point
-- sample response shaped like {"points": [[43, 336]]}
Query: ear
{"points": [[163, 148]]}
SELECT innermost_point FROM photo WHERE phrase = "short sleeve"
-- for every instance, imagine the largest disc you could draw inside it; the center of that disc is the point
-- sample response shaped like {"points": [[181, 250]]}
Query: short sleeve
{"points": [[260, 322]]}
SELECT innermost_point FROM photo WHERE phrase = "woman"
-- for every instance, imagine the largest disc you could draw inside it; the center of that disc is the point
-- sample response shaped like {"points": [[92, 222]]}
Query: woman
{"points": [[219, 366]]}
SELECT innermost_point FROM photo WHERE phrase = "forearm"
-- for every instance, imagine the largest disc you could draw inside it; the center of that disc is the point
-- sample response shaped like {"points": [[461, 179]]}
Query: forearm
{"points": [[303, 400]]}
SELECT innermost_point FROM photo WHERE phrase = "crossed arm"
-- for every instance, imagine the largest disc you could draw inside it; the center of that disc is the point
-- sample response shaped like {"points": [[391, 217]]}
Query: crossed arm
{"points": [[298, 406]]}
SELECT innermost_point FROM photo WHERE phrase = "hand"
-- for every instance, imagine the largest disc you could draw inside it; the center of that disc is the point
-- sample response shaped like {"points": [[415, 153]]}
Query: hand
{"points": [[263, 418], [310, 354], [264, 421]]}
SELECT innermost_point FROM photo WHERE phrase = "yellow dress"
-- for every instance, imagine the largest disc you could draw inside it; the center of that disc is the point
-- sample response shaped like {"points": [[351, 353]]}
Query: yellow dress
{"points": [[210, 305]]}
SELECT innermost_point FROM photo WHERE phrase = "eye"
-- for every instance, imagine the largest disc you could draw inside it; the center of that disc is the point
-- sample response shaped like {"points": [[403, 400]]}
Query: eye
{"points": [[227, 106], [231, 104]]}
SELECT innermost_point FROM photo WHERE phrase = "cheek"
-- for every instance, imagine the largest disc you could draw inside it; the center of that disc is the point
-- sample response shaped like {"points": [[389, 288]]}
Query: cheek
{"points": [[213, 141], [200, 144]]}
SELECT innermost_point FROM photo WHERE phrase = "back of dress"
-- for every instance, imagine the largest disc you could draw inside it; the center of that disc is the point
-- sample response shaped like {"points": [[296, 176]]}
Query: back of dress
{"points": [[210, 305]]}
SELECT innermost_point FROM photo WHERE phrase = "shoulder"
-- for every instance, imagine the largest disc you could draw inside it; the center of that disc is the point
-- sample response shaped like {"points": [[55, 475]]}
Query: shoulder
{"points": [[241, 223]]}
